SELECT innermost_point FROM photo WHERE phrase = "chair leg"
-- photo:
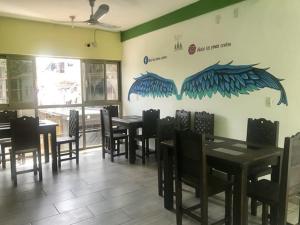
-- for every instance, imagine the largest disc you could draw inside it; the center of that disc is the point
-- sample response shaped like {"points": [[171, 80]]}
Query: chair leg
{"points": [[103, 147], [70, 149], [126, 148], [147, 148], [3, 160], [265, 213], [77, 152], [118, 146], [254, 203], [228, 206], [143, 151], [40, 165], [34, 162], [112, 149], [159, 173], [14, 169], [59, 156], [178, 202]]}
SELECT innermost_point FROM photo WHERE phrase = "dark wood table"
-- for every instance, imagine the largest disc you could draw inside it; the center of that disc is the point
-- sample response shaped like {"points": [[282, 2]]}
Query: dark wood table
{"points": [[233, 157], [131, 123], [46, 127]]}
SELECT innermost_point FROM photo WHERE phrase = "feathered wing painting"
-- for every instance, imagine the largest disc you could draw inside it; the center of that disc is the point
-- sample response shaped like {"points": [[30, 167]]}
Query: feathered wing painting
{"points": [[153, 85], [225, 79], [230, 80]]}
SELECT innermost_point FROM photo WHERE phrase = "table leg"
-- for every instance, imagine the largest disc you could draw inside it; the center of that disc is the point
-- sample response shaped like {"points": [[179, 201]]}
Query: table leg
{"points": [[46, 147], [168, 178], [274, 216], [240, 213], [53, 150], [132, 145]]}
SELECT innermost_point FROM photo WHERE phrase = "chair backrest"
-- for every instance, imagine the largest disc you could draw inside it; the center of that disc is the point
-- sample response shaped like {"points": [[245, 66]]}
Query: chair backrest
{"points": [[204, 123], [191, 157], [150, 118], [7, 116], [183, 120], [74, 124], [289, 174], [113, 109], [166, 128], [25, 133], [262, 132], [107, 123]]}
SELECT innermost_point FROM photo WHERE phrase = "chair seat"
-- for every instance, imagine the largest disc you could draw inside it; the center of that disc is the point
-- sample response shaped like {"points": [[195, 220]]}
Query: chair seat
{"points": [[264, 190], [119, 130], [215, 184], [26, 150], [65, 139], [5, 141], [259, 171], [140, 137]]}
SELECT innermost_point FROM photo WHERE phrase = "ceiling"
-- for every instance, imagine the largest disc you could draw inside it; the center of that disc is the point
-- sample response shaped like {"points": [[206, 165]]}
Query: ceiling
{"points": [[123, 13]]}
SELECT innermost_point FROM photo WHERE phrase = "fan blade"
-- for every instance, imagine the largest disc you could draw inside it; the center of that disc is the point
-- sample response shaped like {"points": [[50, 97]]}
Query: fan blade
{"points": [[101, 11], [106, 25]]}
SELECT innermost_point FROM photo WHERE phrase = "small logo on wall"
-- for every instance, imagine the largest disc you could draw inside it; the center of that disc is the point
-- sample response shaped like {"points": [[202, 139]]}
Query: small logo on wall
{"points": [[149, 60], [178, 44], [146, 60], [192, 49]]}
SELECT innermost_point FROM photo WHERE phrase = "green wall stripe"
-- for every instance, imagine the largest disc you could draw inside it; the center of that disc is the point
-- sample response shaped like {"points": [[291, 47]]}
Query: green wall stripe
{"points": [[196, 9]]}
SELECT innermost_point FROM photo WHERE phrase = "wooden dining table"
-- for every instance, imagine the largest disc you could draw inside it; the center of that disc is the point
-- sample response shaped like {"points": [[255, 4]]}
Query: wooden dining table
{"points": [[231, 156], [46, 127], [131, 123]]}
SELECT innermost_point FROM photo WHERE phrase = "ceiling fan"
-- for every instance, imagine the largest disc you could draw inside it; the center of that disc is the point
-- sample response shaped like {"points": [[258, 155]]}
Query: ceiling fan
{"points": [[102, 10]]}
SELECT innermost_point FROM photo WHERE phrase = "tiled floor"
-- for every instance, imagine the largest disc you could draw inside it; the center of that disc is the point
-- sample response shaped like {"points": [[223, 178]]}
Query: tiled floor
{"points": [[97, 192]]}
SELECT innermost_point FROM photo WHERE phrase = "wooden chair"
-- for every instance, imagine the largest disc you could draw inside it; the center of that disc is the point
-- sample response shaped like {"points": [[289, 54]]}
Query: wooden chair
{"points": [[165, 131], [183, 120], [261, 132], [204, 123], [191, 168], [149, 130], [110, 138], [73, 137], [6, 117], [25, 139], [276, 194]]}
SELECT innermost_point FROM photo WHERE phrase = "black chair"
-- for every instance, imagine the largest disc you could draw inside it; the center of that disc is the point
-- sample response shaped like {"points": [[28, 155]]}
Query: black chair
{"points": [[276, 194], [183, 120], [191, 169], [149, 130], [165, 131], [110, 138], [73, 137], [260, 132], [25, 138], [204, 123], [6, 117]]}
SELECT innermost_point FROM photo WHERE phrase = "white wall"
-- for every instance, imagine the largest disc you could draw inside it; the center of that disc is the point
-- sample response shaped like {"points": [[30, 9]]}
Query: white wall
{"points": [[265, 32]]}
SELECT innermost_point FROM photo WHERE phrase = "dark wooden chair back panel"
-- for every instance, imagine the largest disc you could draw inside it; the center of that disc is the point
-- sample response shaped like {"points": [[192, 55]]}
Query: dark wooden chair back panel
{"points": [[166, 128], [262, 132], [107, 123], [113, 109], [7, 116], [204, 123], [183, 120], [25, 133], [74, 123], [293, 165], [190, 157], [150, 118]]}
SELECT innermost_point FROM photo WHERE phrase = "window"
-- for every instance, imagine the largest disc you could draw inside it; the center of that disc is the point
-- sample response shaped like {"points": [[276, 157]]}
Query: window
{"points": [[112, 87], [58, 81], [3, 82]]}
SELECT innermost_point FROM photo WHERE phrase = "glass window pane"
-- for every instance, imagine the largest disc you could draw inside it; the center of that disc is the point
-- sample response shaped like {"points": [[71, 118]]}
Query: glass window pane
{"points": [[20, 75], [94, 78], [92, 126], [58, 81], [112, 81], [3, 82]]}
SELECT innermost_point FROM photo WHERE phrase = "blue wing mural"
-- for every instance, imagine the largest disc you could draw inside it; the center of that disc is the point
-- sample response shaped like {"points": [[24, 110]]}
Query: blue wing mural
{"points": [[151, 84], [230, 80]]}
